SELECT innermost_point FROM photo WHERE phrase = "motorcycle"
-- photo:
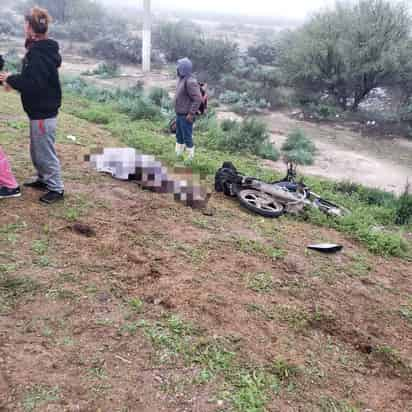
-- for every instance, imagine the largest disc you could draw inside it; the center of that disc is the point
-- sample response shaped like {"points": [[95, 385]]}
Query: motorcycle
{"points": [[275, 198]]}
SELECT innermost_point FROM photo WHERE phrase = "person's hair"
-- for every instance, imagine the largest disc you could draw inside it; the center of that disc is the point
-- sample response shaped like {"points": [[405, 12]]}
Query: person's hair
{"points": [[39, 20]]}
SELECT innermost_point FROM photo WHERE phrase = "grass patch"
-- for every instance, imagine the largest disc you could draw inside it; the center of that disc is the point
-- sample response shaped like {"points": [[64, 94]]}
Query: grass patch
{"points": [[260, 282], [360, 266], [14, 288], [136, 305], [39, 396], [406, 312], [329, 404], [253, 247], [245, 387], [391, 358]]}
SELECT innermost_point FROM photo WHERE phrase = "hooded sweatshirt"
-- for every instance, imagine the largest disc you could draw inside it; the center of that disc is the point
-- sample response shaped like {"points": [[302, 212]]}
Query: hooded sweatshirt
{"points": [[188, 96], [39, 83]]}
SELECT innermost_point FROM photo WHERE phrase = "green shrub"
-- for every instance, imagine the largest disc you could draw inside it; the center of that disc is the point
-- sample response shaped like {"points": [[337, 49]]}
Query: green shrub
{"points": [[95, 116], [159, 96], [120, 48], [130, 101], [105, 70], [13, 62], [298, 148], [206, 122], [250, 136], [139, 109], [268, 151], [230, 97], [404, 209], [228, 125]]}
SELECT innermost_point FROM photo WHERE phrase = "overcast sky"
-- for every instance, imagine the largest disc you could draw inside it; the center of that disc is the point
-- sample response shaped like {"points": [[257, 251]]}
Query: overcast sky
{"points": [[296, 9]]}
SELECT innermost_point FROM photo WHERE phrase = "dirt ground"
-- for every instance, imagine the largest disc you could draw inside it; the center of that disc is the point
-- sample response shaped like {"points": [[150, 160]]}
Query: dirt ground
{"points": [[95, 320]]}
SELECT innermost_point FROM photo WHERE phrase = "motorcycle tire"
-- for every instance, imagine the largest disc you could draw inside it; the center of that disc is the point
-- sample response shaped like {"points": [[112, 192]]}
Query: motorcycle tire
{"points": [[260, 203]]}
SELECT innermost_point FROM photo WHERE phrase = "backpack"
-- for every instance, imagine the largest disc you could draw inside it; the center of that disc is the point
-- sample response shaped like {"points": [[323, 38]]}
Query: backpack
{"points": [[205, 98], [228, 179]]}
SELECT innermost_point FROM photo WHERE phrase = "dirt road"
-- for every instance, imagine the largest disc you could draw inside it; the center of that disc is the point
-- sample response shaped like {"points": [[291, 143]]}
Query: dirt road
{"points": [[347, 155]]}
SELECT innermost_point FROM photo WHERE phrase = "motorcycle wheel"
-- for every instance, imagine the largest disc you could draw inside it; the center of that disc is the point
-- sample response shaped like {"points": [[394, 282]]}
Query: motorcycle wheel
{"points": [[260, 203]]}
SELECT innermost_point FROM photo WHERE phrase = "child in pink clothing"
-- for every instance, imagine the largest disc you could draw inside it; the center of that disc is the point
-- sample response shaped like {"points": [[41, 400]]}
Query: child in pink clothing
{"points": [[8, 184]]}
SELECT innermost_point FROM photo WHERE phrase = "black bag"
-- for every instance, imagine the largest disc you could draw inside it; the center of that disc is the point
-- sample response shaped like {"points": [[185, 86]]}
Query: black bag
{"points": [[227, 179]]}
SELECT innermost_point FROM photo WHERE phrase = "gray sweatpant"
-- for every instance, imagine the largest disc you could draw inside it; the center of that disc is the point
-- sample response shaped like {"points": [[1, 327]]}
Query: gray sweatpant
{"points": [[43, 153]]}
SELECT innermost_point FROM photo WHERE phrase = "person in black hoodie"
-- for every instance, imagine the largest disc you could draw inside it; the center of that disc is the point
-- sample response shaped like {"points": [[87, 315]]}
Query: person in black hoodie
{"points": [[41, 94]]}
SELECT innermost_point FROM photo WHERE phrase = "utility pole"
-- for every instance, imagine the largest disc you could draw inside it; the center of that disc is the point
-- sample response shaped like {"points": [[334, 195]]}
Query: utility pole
{"points": [[147, 36]]}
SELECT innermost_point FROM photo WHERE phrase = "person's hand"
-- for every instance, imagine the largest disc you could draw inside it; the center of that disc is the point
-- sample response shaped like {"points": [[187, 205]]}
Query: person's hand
{"points": [[3, 77], [189, 118]]}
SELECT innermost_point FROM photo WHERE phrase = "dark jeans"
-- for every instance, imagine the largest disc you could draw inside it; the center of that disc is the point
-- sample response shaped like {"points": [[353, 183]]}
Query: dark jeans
{"points": [[184, 131]]}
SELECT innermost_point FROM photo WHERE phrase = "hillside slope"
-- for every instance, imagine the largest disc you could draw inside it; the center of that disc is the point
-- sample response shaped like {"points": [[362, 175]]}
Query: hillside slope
{"points": [[165, 309]]}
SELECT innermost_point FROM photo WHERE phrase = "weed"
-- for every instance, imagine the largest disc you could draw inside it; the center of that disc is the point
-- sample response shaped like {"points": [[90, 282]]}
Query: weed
{"points": [[295, 318], [284, 370], [136, 305], [201, 223], [406, 311], [68, 341], [98, 372], [129, 329], [392, 358], [252, 390], [261, 282], [255, 247], [14, 288], [40, 395], [260, 310], [404, 209], [7, 268], [61, 294], [328, 404], [13, 228], [17, 125], [104, 322], [360, 266], [40, 247]]}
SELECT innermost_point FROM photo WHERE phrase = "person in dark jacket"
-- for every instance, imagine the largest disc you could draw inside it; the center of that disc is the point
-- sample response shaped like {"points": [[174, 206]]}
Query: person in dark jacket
{"points": [[41, 94], [187, 102]]}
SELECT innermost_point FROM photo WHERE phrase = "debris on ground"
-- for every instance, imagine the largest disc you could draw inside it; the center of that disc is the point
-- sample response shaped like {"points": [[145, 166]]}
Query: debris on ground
{"points": [[326, 247]]}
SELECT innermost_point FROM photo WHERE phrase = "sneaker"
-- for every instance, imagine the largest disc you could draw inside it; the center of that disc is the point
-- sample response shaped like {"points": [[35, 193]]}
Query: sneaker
{"points": [[37, 184], [52, 197], [6, 193]]}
